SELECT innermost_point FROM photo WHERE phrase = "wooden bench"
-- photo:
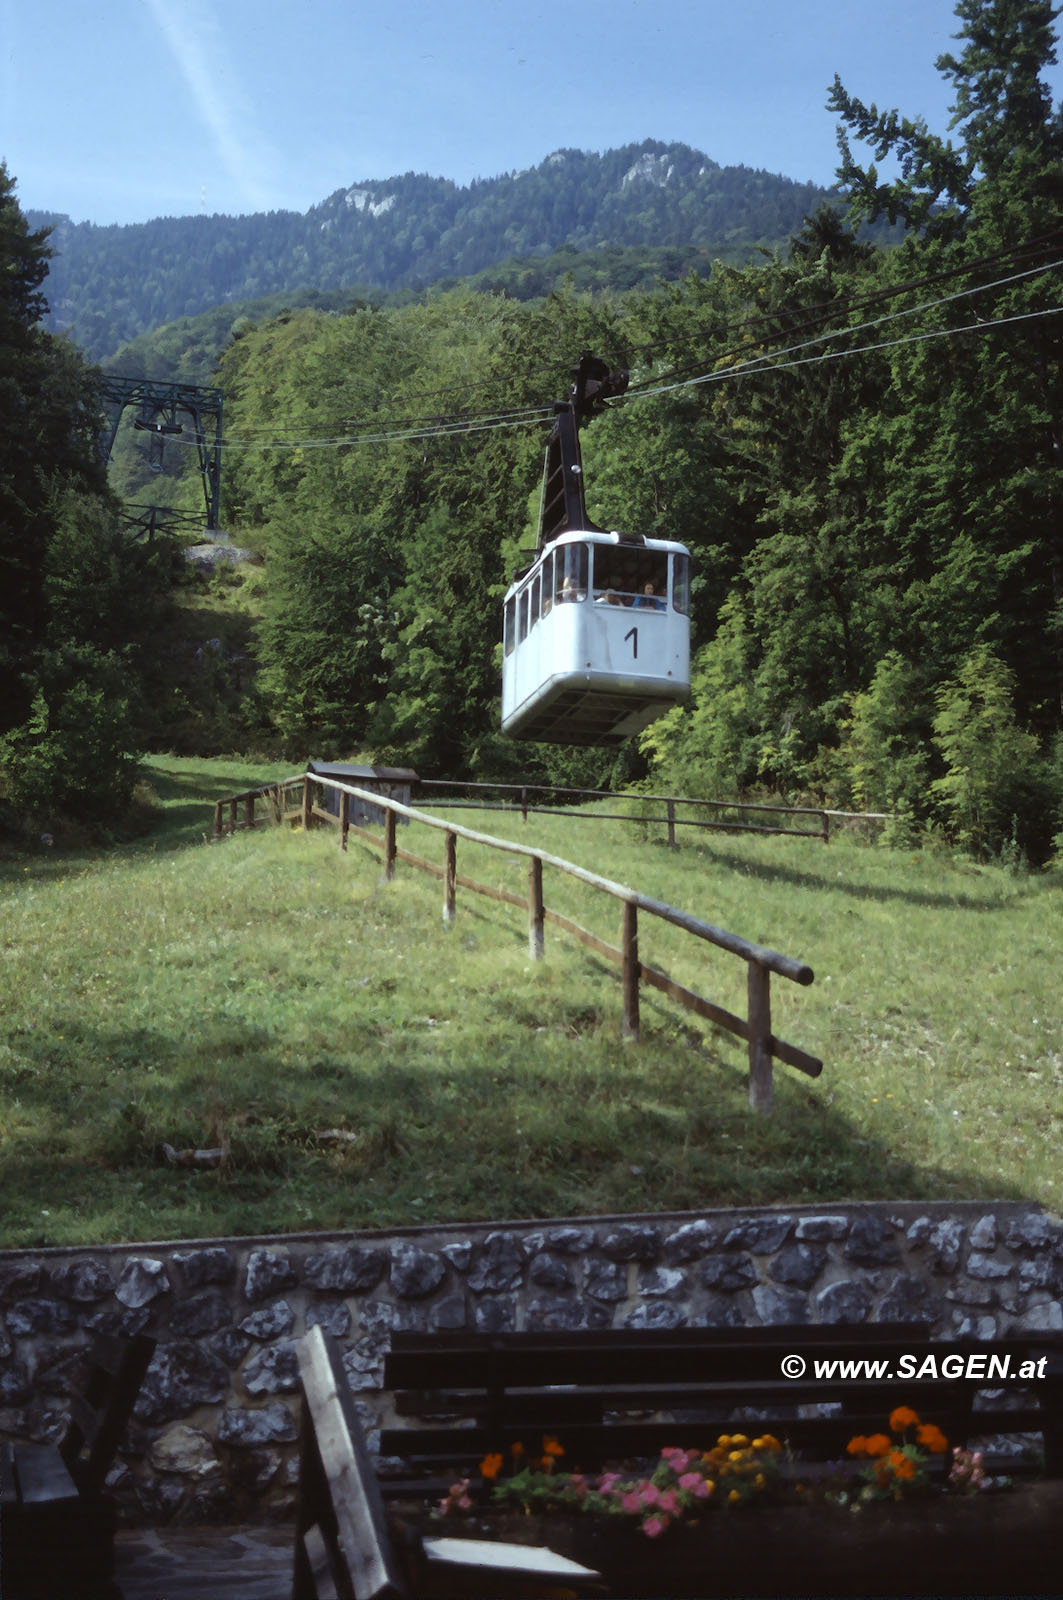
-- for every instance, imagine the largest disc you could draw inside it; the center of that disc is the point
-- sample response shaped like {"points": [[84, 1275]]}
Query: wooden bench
{"points": [[344, 1549], [617, 1394], [56, 1521]]}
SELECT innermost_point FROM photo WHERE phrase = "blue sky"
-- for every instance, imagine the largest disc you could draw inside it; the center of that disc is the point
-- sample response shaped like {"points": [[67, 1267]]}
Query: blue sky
{"points": [[121, 110]]}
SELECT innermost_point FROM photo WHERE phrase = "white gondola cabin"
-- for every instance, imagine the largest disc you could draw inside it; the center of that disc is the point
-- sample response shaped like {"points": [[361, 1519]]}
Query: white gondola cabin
{"points": [[596, 635], [596, 639]]}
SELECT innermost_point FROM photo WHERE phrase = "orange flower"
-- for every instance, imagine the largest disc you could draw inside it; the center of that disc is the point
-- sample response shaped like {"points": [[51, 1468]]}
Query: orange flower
{"points": [[552, 1448], [857, 1446], [932, 1439], [491, 1466], [877, 1445], [903, 1466], [903, 1417]]}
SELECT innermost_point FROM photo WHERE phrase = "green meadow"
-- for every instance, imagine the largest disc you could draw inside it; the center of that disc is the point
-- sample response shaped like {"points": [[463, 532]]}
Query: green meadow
{"points": [[363, 1066]]}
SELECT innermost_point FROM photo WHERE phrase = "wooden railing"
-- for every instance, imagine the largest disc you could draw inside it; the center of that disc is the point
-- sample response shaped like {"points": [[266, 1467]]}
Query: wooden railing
{"points": [[294, 798], [816, 821]]}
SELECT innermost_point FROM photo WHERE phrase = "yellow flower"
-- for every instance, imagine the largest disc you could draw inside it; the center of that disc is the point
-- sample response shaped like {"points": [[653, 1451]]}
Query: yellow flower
{"points": [[733, 1496], [739, 1440]]}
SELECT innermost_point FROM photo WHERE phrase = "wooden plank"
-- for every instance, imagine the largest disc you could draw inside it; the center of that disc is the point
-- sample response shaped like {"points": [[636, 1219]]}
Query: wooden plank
{"points": [[624, 1356], [353, 1490], [319, 1562]]}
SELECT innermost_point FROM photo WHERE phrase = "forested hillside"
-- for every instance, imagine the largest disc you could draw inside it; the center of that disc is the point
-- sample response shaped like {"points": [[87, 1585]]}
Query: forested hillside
{"points": [[860, 445], [109, 284]]}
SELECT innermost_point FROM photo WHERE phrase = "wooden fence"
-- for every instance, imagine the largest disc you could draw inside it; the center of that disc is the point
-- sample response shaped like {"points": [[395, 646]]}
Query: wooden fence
{"points": [[816, 822], [294, 799]]}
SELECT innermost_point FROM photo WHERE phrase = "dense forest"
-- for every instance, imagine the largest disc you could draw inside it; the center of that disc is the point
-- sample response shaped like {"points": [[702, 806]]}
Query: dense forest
{"points": [[859, 444], [109, 284]]}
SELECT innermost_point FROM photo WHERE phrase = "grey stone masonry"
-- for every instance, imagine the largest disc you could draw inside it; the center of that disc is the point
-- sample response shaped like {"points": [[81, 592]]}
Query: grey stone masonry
{"points": [[215, 1427]]}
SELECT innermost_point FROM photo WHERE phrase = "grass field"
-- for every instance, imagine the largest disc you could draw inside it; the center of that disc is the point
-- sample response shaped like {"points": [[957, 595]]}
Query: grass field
{"points": [[266, 991]]}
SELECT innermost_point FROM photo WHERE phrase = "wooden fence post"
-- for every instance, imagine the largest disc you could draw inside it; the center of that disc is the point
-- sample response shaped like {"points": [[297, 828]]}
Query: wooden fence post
{"points": [[524, 805], [536, 911], [760, 1079], [629, 948], [671, 824], [232, 816], [450, 879], [218, 827], [389, 845], [826, 827], [345, 818], [308, 805], [249, 811]]}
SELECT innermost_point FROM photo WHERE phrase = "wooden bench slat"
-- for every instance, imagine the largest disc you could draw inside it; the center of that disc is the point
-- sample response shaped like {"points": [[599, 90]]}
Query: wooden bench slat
{"points": [[601, 1394]]}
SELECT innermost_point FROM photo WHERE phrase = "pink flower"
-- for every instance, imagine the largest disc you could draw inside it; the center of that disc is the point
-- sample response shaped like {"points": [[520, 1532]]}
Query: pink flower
{"points": [[630, 1502], [650, 1494], [608, 1482], [578, 1484], [694, 1484], [653, 1526], [668, 1501]]}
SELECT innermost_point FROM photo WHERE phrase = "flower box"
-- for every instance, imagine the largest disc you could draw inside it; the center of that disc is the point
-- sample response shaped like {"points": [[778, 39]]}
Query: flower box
{"points": [[943, 1544]]}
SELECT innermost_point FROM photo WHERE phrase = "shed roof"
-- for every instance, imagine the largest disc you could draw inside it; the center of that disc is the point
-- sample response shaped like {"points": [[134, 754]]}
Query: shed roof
{"points": [[356, 772]]}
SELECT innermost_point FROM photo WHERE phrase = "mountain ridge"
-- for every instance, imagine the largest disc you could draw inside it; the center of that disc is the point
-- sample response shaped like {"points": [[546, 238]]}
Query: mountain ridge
{"points": [[109, 283]]}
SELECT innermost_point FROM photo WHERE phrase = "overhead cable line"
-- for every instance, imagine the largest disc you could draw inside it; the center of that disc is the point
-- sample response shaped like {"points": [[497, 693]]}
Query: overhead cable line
{"points": [[811, 318], [770, 358], [763, 364]]}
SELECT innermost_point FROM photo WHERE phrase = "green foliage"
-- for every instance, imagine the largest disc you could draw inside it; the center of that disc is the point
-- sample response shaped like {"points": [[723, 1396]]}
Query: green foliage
{"points": [[884, 752], [80, 605], [712, 748], [992, 764], [75, 755]]}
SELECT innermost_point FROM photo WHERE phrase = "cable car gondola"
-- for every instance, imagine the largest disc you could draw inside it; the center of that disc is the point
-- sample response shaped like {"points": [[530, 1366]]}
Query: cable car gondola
{"points": [[596, 634]]}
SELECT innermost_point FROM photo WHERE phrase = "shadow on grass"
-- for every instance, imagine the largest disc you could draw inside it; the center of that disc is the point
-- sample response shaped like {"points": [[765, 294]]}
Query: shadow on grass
{"points": [[659, 1127], [826, 883]]}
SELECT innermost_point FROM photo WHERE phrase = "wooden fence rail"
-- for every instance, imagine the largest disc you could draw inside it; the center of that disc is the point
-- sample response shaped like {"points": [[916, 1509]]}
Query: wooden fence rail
{"points": [[823, 817], [294, 799]]}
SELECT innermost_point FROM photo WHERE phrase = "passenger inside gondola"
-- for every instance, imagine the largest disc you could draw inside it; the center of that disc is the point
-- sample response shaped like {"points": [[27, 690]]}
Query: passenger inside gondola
{"points": [[632, 576]]}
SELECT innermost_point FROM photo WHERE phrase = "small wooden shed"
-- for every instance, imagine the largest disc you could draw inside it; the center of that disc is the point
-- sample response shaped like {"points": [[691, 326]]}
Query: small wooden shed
{"points": [[394, 782]]}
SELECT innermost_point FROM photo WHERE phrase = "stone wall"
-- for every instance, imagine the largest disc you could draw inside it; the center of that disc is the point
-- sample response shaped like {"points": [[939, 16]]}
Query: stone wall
{"points": [[216, 1421]]}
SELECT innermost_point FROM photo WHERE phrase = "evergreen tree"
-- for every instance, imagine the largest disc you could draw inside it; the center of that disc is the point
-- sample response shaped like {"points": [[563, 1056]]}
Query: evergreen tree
{"points": [[78, 602]]}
